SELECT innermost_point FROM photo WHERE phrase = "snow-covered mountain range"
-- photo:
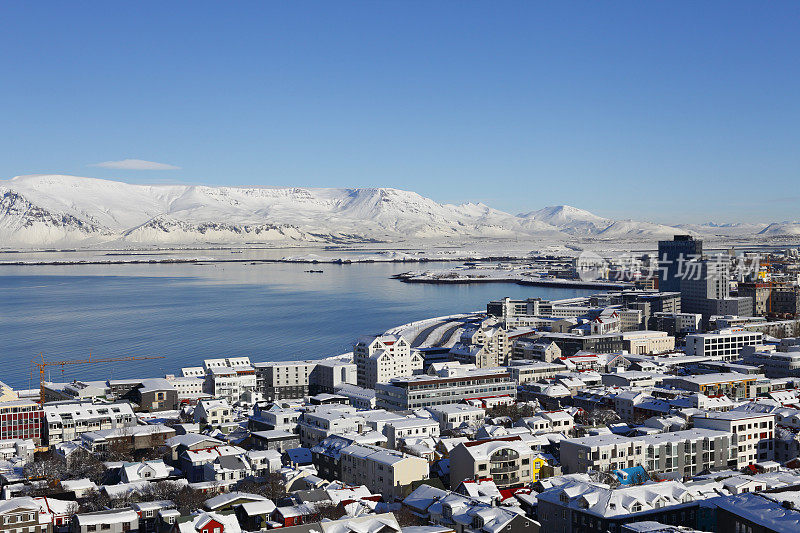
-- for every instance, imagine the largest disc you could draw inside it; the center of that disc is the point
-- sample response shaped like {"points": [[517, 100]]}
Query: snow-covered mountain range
{"points": [[54, 210]]}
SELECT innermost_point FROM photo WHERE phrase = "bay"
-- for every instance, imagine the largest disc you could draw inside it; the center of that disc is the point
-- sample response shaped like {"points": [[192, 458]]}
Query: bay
{"points": [[189, 312]]}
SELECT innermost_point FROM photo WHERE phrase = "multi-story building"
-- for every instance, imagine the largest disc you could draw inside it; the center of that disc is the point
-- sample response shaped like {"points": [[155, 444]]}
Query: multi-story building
{"points": [[784, 300], [579, 507], [676, 324], [67, 421], [457, 415], [268, 416], [379, 358], [570, 343], [189, 388], [484, 347], [330, 374], [647, 342], [685, 452], [231, 378], [21, 419], [754, 432], [759, 292], [732, 384], [281, 380], [509, 461], [397, 431], [533, 371], [515, 313], [215, 413], [23, 514], [148, 394], [702, 281], [724, 344], [326, 420], [387, 472], [774, 364], [526, 349], [450, 384], [671, 255]]}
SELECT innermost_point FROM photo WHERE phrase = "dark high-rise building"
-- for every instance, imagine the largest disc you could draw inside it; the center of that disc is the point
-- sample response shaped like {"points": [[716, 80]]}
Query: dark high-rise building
{"points": [[670, 255]]}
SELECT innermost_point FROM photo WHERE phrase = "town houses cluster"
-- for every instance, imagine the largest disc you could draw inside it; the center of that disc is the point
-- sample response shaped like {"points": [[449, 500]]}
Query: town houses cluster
{"points": [[670, 405]]}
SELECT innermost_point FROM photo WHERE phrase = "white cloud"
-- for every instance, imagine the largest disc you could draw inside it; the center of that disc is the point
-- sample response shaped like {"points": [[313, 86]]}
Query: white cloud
{"points": [[135, 164]]}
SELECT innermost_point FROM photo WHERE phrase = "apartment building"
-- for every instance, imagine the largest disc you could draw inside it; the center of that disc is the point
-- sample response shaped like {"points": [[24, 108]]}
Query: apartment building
{"points": [[533, 371], [485, 346], [379, 358], [231, 378], [451, 383], [732, 384], [330, 374], [526, 349], [724, 344], [571, 343], [326, 420], [754, 432], [584, 507], [67, 421], [685, 452], [21, 419], [387, 472], [397, 431], [282, 380], [508, 461], [268, 417], [457, 415], [189, 388], [515, 312]]}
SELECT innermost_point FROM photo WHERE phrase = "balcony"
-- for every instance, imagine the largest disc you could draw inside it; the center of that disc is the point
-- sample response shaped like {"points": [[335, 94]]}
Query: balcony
{"points": [[503, 469]]}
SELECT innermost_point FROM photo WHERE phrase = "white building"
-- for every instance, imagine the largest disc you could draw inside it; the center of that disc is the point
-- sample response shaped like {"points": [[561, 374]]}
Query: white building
{"points": [[231, 378], [457, 415], [188, 387], [724, 344], [647, 342], [383, 471], [217, 412], [534, 371], [446, 383], [686, 452], [485, 346], [66, 421], [409, 428], [326, 420], [754, 432], [380, 358]]}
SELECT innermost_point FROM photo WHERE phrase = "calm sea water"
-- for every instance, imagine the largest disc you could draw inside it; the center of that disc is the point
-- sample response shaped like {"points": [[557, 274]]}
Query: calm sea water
{"points": [[187, 312]]}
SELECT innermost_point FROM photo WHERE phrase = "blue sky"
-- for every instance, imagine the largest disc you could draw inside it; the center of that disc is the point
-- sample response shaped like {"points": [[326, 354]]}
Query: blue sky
{"points": [[666, 111]]}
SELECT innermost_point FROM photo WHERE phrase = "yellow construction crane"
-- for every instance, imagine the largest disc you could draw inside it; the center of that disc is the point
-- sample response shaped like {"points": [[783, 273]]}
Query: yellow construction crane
{"points": [[89, 361]]}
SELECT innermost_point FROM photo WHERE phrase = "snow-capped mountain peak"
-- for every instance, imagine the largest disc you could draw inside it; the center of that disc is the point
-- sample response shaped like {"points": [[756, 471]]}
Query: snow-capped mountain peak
{"points": [[56, 210]]}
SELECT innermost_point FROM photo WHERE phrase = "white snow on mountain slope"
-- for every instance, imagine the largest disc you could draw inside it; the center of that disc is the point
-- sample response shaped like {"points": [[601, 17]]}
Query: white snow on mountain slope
{"points": [[570, 220], [54, 210], [782, 228], [734, 229], [632, 229]]}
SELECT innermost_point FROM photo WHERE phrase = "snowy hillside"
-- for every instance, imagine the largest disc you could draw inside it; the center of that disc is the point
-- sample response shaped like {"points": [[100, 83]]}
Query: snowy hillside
{"points": [[53, 210], [782, 228]]}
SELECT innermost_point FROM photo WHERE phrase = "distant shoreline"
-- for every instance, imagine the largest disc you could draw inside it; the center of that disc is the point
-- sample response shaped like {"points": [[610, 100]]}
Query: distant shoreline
{"points": [[561, 283], [332, 261]]}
